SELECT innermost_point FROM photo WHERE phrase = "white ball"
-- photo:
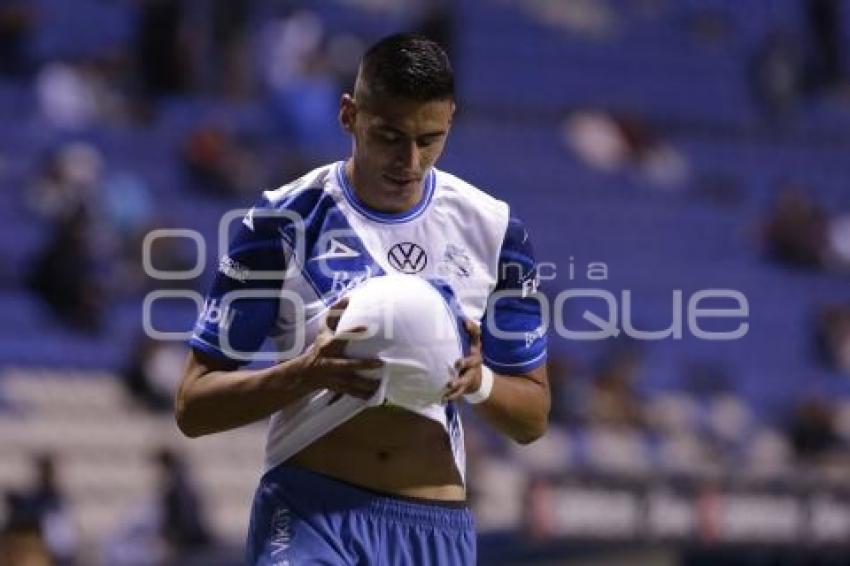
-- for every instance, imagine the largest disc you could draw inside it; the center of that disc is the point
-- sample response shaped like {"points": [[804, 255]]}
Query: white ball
{"points": [[414, 329]]}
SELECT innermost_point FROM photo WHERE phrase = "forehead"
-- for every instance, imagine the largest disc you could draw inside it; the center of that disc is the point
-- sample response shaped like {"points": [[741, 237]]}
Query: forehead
{"points": [[410, 116]]}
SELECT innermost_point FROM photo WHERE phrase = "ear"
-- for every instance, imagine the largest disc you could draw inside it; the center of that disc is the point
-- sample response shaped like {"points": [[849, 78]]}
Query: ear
{"points": [[347, 112]]}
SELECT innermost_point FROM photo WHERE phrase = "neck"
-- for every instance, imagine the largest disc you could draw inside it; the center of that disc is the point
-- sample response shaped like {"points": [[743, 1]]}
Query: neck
{"points": [[391, 204]]}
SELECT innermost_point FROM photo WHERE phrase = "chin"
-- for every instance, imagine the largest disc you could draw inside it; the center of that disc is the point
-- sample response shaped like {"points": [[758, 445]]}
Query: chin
{"points": [[390, 188]]}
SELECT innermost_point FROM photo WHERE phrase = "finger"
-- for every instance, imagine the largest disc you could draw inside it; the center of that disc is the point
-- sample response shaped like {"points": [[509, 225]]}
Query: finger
{"points": [[357, 333], [363, 388], [350, 365], [453, 389], [474, 335], [464, 364], [454, 396], [474, 331], [456, 388], [335, 313], [454, 392], [334, 347]]}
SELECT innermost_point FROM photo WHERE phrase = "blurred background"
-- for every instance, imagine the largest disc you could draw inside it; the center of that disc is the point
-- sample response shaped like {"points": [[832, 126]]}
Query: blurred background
{"points": [[685, 145]]}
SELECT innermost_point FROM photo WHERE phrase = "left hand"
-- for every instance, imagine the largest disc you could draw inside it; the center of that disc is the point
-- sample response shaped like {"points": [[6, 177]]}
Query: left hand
{"points": [[468, 368]]}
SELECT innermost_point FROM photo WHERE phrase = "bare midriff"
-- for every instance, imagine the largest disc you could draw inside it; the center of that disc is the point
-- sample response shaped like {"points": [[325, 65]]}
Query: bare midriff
{"points": [[389, 450]]}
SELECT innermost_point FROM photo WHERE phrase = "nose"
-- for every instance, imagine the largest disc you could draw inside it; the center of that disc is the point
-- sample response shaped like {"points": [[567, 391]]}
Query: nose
{"points": [[408, 156]]}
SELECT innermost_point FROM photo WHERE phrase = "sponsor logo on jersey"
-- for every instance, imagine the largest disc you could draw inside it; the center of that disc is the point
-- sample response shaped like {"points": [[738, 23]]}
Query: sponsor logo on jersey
{"points": [[214, 314], [456, 261], [336, 250], [407, 257], [233, 269], [530, 285], [345, 280], [534, 336], [248, 221]]}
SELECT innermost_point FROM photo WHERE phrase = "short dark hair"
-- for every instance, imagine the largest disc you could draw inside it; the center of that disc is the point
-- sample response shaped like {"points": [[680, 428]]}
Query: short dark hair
{"points": [[409, 66]]}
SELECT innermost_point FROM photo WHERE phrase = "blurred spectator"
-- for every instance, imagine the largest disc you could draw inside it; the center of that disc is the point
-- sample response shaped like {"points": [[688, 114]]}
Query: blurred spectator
{"points": [[169, 528], [568, 392], [64, 274], [436, 21], [128, 204], [290, 44], [833, 332], [69, 180], [812, 430], [604, 395], [21, 544], [303, 93], [136, 540], [784, 70], [154, 373], [709, 24], [797, 229], [776, 76], [107, 213], [163, 49], [343, 58], [588, 17], [16, 25], [824, 66], [613, 400], [800, 232], [75, 96], [219, 164], [127, 214], [540, 511], [231, 66], [615, 144], [728, 421], [41, 513], [184, 523]]}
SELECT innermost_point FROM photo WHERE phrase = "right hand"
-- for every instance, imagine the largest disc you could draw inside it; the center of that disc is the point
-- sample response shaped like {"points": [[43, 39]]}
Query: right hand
{"points": [[324, 365]]}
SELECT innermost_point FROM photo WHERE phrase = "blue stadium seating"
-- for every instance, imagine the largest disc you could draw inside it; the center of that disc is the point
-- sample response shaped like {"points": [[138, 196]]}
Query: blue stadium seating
{"points": [[508, 140]]}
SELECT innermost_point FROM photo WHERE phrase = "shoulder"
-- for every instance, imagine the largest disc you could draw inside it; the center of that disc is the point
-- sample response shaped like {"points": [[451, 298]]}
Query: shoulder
{"points": [[471, 201], [311, 185], [284, 209]]}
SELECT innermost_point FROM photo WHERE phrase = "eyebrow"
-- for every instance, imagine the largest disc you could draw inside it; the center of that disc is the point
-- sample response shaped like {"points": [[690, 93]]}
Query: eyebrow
{"points": [[388, 128]]}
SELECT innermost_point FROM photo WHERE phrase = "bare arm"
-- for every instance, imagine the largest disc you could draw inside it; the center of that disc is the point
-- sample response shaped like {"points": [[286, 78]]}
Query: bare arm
{"points": [[518, 405], [214, 396]]}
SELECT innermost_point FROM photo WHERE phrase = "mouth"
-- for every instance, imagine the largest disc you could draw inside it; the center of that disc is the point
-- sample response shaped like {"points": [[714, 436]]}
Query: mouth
{"points": [[400, 180]]}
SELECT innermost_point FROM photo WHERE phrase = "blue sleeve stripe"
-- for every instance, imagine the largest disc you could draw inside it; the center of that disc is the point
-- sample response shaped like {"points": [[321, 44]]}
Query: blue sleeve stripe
{"points": [[514, 368], [200, 330], [199, 343], [490, 360]]}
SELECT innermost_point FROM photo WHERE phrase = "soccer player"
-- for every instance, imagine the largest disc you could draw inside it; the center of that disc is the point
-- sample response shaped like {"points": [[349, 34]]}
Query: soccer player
{"points": [[387, 486]]}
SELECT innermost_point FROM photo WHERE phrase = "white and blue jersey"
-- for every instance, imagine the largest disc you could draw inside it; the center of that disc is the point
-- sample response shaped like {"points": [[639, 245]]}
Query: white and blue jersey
{"points": [[307, 243]]}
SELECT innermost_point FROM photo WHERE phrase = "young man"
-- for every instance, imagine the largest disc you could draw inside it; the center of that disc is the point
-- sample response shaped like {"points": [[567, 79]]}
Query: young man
{"points": [[386, 486]]}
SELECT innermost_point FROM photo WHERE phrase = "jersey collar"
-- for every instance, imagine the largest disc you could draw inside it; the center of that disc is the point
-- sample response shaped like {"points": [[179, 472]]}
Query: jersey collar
{"points": [[385, 217]]}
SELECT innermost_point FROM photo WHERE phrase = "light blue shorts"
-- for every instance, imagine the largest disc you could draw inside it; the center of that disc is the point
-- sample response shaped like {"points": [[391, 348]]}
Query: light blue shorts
{"points": [[302, 517]]}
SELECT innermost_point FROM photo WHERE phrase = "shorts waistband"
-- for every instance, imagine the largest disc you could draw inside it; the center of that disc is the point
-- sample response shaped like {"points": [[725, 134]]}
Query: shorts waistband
{"points": [[339, 494]]}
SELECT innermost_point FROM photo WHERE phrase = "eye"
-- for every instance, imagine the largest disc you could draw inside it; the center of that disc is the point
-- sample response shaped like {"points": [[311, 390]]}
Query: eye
{"points": [[427, 142], [388, 136]]}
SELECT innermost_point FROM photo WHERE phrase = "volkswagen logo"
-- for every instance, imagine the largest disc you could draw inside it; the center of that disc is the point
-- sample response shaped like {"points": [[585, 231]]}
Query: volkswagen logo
{"points": [[407, 257]]}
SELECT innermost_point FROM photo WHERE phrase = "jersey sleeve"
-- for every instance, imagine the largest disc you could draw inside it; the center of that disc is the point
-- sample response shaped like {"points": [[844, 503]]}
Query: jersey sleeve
{"points": [[243, 302], [513, 333]]}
